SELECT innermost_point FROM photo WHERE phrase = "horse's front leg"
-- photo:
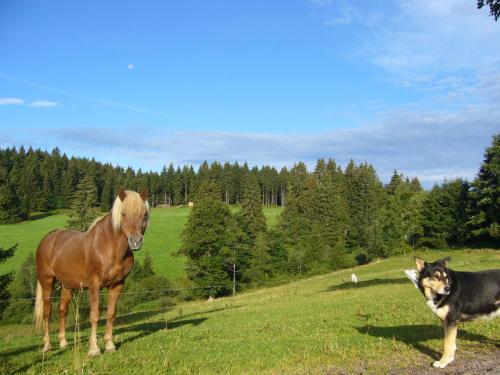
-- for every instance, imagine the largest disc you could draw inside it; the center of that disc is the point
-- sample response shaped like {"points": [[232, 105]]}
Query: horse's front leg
{"points": [[113, 294], [94, 289], [66, 295]]}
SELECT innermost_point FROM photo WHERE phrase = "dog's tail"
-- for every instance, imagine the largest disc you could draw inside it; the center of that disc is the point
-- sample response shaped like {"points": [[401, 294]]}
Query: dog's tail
{"points": [[38, 315]]}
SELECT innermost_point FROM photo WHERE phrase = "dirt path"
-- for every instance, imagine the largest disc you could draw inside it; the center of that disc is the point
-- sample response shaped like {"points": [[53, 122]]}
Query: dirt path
{"points": [[480, 363]]}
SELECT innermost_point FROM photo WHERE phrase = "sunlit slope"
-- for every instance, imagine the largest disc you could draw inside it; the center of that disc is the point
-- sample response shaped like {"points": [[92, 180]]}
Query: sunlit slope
{"points": [[317, 325]]}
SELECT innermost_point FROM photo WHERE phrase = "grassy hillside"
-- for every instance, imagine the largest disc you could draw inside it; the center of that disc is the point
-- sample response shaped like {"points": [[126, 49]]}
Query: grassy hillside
{"points": [[325, 324], [162, 238]]}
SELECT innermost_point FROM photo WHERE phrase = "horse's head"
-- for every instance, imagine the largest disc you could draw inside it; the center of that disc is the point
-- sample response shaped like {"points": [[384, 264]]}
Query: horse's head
{"points": [[130, 215]]}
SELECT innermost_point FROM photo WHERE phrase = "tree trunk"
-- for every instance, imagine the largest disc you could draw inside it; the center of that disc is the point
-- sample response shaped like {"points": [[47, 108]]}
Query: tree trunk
{"points": [[234, 272]]}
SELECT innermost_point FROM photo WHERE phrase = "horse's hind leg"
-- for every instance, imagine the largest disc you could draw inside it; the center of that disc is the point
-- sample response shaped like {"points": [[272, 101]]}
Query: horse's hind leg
{"points": [[47, 289], [66, 295]]}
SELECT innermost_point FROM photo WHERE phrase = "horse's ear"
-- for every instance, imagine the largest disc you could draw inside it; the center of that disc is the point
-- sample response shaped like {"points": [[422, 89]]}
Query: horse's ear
{"points": [[122, 194], [420, 264], [144, 195]]}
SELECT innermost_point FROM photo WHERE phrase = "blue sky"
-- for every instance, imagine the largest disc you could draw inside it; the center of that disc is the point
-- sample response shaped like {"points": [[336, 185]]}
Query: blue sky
{"points": [[405, 84]]}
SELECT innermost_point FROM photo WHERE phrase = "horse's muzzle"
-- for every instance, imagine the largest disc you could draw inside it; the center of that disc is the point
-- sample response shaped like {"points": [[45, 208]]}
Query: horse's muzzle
{"points": [[135, 242]]}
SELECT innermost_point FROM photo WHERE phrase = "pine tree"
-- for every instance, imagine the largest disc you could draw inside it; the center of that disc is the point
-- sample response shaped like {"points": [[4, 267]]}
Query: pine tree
{"points": [[5, 279], [108, 195], [205, 240], [252, 216], [444, 214], [10, 205], [22, 290], [83, 207], [147, 265], [484, 220], [396, 181], [261, 267], [365, 198], [293, 221]]}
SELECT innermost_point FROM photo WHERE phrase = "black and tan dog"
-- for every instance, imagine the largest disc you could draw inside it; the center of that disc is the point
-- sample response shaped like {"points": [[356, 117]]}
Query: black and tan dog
{"points": [[457, 296]]}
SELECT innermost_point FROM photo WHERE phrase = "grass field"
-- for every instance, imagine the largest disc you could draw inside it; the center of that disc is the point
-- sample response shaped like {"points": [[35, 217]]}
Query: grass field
{"points": [[325, 324], [162, 238]]}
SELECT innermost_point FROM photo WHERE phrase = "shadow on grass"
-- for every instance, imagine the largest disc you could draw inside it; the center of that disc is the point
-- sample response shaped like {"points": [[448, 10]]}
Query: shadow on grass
{"points": [[41, 215], [142, 329], [123, 319], [416, 335], [366, 283], [203, 312], [147, 328], [14, 352]]}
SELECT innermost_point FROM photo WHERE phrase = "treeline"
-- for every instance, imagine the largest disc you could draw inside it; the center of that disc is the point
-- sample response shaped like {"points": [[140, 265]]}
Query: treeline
{"points": [[333, 219], [36, 180]]}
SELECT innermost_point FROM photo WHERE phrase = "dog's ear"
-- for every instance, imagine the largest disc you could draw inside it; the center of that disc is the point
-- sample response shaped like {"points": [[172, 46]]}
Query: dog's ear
{"points": [[444, 261], [420, 264]]}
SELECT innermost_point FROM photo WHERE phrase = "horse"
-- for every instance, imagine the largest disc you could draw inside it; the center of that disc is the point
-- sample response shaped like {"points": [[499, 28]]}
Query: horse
{"points": [[101, 257]]}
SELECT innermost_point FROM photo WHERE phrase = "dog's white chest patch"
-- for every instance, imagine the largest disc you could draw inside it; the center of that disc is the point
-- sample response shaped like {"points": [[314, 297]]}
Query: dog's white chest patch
{"points": [[441, 312]]}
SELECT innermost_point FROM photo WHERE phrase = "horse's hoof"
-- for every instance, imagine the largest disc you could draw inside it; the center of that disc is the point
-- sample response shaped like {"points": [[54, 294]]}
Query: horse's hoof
{"points": [[94, 352], [47, 348], [63, 344], [110, 347]]}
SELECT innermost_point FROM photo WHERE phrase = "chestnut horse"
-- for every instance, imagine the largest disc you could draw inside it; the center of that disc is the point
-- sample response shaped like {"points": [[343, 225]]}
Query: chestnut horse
{"points": [[98, 258]]}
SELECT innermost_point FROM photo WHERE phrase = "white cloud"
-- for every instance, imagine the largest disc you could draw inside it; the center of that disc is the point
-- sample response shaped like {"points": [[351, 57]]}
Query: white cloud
{"points": [[11, 101], [130, 66], [43, 104], [432, 146], [432, 37]]}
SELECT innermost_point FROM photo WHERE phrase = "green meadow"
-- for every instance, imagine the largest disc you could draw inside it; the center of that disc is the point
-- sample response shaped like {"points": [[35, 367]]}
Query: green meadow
{"points": [[163, 237], [325, 324]]}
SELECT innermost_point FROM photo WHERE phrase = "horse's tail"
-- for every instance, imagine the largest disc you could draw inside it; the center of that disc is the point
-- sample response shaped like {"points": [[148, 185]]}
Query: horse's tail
{"points": [[38, 316]]}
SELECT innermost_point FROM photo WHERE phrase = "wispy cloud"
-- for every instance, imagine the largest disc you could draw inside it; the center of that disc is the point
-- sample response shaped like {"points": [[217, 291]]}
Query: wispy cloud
{"points": [[432, 36], [22, 102], [431, 145], [11, 101], [321, 3], [344, 16], [43, 104], [96, 100]]}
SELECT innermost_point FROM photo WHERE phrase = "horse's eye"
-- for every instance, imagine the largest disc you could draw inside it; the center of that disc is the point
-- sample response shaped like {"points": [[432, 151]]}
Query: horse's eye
{"points": [[123, 214]]}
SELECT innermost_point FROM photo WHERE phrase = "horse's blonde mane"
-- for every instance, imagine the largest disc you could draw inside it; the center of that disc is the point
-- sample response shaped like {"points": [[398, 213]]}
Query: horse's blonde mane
{"points": [[95, 222], [133, 203]]}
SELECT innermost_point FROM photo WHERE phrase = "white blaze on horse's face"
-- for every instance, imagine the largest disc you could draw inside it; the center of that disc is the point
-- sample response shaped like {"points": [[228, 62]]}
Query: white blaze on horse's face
{"points": [[134, 217]]}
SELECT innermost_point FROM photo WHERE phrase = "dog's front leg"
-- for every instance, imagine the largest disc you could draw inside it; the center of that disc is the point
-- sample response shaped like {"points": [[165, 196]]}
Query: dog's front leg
{"points": [[450, 336]]}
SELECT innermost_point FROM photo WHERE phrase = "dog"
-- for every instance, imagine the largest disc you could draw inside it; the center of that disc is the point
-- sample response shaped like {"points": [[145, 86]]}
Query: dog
{"points": [[457, 296], [354, 278]]}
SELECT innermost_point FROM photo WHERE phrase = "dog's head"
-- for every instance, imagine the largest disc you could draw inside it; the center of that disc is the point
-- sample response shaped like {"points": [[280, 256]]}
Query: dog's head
{"points": [[434, 279]]}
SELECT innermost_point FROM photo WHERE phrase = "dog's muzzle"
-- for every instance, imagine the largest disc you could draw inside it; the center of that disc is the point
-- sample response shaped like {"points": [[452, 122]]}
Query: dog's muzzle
{"points": [[135, 242]]}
